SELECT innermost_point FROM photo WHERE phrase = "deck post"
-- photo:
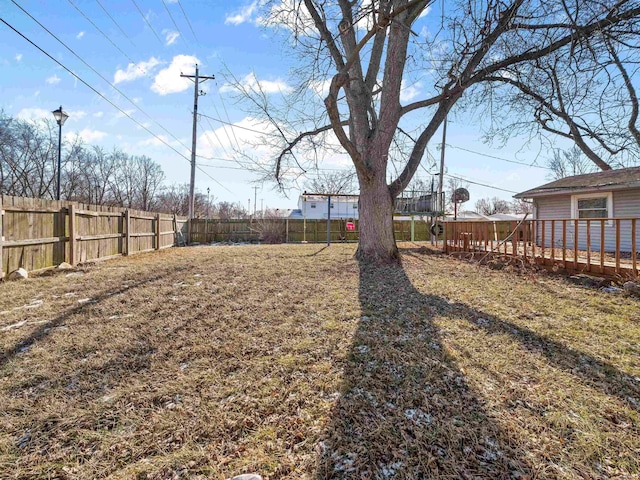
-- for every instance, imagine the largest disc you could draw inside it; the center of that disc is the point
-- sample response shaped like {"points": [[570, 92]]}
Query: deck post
{"points": [[588, 245], [564, 244], [576, 226], [602, 245], [1, 240], [553, 242], [633, 247], [617, 245], [444, 237], [542, 242]]}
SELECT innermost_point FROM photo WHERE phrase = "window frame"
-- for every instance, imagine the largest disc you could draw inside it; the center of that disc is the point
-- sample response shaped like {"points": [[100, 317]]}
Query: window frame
{"points": [[575, 214]]}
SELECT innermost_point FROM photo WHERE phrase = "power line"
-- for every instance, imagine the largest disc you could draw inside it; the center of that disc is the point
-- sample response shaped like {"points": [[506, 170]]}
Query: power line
{"points": [[173, 20], [228, 118], [498, 158], [232, 124], [106, 99], [98, 29], [469, 181], [101, 76], [188, 22], [114, 21], [481, 184], [144, 17]]}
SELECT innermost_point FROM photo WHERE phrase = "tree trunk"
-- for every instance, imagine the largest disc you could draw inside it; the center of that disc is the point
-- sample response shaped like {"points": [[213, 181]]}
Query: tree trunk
{"points": [[375, 225]]}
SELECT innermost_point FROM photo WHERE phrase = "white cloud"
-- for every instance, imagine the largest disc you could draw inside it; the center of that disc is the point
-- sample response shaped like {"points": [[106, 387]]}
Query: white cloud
{"points": [[18, 57], [250, 82], [289, 14], [170, 36], [168, 80], [75, 115], [409, 92], [98, 114], [136, 70], [34, 114], [36, 93], [87, 135], [242, 15], [53, 79], [80, 35], [154, 141]]}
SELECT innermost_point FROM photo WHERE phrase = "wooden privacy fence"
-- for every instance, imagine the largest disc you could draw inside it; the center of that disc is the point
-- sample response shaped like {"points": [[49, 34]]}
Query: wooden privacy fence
{"points": [[295, 230], [604, 246], [37, 234]]}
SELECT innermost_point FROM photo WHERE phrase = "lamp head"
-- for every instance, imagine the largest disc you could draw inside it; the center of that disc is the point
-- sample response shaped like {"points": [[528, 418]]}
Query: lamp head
{"points": [[60, 116]]}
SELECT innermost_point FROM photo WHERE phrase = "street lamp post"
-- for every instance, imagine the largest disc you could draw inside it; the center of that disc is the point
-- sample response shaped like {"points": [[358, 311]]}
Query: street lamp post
{"points": [[60, 117]]}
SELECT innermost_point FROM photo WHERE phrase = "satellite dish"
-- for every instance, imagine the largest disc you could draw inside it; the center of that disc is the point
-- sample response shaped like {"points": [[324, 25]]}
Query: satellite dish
{"points": [[460, 195]]}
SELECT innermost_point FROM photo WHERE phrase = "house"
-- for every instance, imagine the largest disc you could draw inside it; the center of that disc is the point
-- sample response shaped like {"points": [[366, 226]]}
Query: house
{"points": [[316, 206], [610, 195], [465, 216]]}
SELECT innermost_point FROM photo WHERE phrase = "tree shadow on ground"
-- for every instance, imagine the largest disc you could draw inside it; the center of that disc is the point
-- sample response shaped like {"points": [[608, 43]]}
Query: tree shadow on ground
{"points": [[405, 408], [45, 329]]}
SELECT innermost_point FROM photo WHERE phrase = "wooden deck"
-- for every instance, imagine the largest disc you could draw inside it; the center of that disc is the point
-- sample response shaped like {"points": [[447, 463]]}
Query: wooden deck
{"points": [[557, 244]]}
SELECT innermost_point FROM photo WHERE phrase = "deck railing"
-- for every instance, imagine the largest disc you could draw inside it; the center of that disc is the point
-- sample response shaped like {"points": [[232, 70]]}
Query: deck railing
{"points": [[605, 246]]}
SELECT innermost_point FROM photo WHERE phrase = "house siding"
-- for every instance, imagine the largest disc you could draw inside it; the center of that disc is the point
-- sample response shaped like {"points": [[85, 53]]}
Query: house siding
{"points": [[626, 204], [342, 208]]}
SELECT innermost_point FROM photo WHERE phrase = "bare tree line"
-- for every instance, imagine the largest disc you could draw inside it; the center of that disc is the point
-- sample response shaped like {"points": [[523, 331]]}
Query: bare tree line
{"points": [[91, 174]]}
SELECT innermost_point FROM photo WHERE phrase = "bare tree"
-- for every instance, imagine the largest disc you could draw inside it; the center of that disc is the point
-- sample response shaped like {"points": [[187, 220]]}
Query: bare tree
{"points": [[342, 182], [364, 50], [587, 96], [519, 206], [453, 184], [229, 210], [566, 163], [28, 167], [491, 206]]}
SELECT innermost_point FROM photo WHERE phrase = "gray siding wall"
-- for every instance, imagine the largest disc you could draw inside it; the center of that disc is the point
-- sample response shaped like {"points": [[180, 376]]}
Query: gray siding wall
{"points": [[626, 204]]}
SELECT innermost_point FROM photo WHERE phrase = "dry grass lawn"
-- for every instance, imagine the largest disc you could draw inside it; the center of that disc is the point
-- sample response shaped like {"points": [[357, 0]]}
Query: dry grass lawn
{"points": [[294, 362]]}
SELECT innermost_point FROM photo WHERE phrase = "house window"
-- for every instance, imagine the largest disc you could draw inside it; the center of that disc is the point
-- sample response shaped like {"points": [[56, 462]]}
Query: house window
{"points": [[313, 205], [592, 206]]}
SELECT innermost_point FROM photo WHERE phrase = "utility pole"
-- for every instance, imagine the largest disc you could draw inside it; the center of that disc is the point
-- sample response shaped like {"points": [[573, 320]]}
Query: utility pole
{"points": [[262, 207], [441, 186], [196, 92], [255, 200]]}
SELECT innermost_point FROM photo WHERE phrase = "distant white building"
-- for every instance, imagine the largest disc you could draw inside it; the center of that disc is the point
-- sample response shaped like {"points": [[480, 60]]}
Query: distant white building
{"points": [[316, 206]]}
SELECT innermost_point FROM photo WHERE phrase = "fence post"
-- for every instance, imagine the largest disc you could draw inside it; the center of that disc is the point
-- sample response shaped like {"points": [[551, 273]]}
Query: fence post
{"points": [[157, 231], [286, 223], [72, 234], [1, 240], [127, 232], [413, 230]]}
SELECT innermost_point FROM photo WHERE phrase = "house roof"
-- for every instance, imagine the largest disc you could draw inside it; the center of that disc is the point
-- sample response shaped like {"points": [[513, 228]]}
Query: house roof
{"points": [[466, 215], [608, 179]]}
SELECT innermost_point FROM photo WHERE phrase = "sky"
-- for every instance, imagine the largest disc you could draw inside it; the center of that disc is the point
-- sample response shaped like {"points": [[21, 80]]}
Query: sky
{"points": [[140, 48]]}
